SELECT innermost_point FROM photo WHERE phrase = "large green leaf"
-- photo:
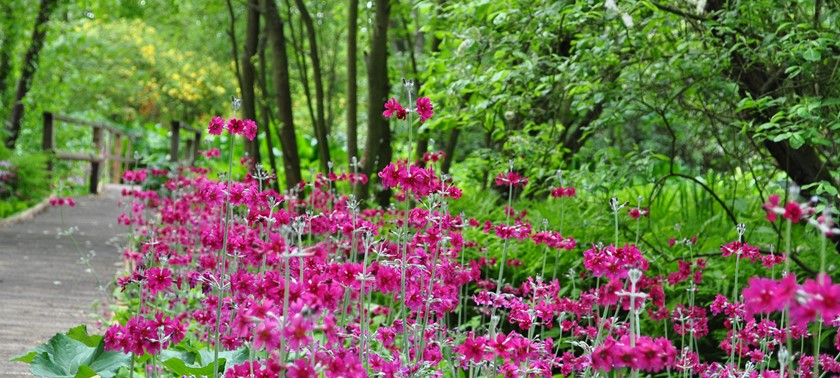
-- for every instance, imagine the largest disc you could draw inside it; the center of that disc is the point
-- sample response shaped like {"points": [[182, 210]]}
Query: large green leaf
{"points": [[187, 361], [180, 367], [71, 356]]}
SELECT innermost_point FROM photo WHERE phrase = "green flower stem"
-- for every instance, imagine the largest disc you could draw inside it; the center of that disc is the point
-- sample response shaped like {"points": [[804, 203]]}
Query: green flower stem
{"points": [[404, 241], [222, 263]]}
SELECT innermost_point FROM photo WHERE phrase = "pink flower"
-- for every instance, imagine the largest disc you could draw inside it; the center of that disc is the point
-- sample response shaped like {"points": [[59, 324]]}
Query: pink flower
{"points": [[424, 108], [604, 356], [741, 251], [301, 369], [473, 348], [770, 206], [764, 295], [637, 213], [392, 108], [825, 296], [62, 201], [297, 332], [158, 279], [267, 335], [793, 212], [511, 178], [250, 130], [236, 126], [217, 124], [563, 192]]}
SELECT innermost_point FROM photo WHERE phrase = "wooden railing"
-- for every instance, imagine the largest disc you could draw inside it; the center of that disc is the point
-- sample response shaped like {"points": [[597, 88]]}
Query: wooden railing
{"points": [[108, 146]]}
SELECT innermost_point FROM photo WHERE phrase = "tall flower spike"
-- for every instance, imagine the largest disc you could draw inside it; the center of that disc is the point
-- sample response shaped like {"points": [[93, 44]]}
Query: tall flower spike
{"points": [[236, 103]]}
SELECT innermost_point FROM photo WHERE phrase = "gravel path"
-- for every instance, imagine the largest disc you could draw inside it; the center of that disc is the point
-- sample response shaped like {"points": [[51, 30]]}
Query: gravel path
{"points": [[44, 287]]}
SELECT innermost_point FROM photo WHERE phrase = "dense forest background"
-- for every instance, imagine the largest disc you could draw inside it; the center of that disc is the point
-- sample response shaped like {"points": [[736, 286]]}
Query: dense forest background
{"points": [[705, 106]]}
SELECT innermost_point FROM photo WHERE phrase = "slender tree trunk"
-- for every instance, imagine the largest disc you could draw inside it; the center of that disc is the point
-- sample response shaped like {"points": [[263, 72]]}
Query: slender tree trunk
{"points": [[233, 44], [249, 104], [449, 150], [7, 41], [317, 73], [378, 150], [423, 140], [30, 63], [280, 72], [265, 114], [330, 60], [300, 63], [352, 86]]}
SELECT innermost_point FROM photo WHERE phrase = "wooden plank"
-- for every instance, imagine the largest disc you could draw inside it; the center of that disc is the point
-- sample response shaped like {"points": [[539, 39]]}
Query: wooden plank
{"points": [[114, 155], [189, 128], [82, 122], [121, 159], [77, 156]]}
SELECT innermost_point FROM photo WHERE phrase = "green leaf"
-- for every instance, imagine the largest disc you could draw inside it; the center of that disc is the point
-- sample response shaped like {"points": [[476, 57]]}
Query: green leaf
{"points": [[79, 333], [181, 368], [781, 137], [812, 55], [796, 141], [234, 356], [29, 356], [65, 356], [85, 372]]}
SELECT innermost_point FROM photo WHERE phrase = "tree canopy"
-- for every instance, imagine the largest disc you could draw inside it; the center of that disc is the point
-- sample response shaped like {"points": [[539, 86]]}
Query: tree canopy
{"points": [[660, 88]]}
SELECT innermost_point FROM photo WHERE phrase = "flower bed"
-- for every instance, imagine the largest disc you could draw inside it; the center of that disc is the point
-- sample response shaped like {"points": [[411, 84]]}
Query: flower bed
{"points": [[230, 278]]}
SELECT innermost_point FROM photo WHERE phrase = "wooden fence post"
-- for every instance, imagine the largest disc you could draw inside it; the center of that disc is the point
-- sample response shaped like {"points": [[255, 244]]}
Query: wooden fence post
{"points": [[196, 146], [129, 153], [188, 151], [174, 141], [96, 161], [116, 165], [48, 140]]}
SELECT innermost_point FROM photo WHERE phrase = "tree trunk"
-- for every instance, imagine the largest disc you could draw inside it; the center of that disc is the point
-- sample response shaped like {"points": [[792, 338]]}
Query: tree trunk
{"points": [[449, 152], [249, 105], [378, 150], [352, 86], [803, 165], [264, 113], [422, 147], [30, 63], [320, 122], [6, 46], [280, 73]]}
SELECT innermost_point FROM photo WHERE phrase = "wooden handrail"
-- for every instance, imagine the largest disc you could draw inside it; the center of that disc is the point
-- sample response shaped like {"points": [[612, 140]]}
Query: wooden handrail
{"points": [[109, 149], [77, 121], [105, 151]]}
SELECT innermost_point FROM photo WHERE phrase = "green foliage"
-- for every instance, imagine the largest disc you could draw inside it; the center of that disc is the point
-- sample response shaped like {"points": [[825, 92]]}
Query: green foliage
{"points": [[24, 182], [74, 354], [186, 360]]}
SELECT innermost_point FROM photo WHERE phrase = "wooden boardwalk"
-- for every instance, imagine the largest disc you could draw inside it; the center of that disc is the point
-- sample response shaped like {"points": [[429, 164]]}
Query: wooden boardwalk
{"points": [[44, 287]]}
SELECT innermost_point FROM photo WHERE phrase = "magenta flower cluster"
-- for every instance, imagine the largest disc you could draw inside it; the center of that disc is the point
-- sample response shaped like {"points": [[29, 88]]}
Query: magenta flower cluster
{"points": [[140, 335], [423, 108], [314, 285], [234, 126]]}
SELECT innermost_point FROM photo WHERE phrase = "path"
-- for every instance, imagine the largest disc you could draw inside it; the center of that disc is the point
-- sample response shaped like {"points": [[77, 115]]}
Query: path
{"points": [[44, 288]]}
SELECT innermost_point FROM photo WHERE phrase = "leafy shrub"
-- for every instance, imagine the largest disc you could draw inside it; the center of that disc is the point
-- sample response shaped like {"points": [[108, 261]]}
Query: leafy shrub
{"points": [[23, 181]]}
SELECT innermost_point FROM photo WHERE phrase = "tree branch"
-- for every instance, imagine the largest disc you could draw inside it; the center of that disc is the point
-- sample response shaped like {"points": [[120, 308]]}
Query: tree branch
{"points": [[678, 12]]}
